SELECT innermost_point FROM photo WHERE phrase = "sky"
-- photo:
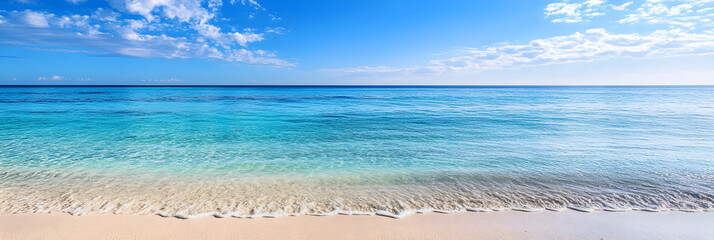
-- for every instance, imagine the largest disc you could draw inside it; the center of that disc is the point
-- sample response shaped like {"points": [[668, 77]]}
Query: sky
{"points": [[262, 42]]}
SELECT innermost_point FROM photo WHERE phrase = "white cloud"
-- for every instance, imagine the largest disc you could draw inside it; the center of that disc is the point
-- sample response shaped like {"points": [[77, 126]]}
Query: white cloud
{"points": [[574, 12], [674, 12], [250, 3], [128, 31], [592, 3], [244, 38], [621, 7], [208, 30], [36, 19], [690, 31], [53, 78], [152, 35], [193, 13], [686, 13], [182, 10], [591, 45], [106, 15], [185, 11], [274, 18], [78, 23], [76, 1], [276, 30]]}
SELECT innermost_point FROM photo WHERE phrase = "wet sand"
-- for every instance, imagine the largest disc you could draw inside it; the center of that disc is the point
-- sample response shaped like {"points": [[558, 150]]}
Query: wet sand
{"points": [[465, 225]]}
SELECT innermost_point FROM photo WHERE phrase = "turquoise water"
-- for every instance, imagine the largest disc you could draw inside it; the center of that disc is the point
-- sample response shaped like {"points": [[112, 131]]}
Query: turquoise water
{"points": [[271, 151]]}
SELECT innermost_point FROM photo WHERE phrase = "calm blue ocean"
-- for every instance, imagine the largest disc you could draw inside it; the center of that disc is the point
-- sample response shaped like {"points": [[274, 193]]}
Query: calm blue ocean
{"points": [[256, 151]]}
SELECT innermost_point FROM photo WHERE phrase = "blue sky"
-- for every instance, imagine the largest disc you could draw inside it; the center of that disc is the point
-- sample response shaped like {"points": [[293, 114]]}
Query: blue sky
{"points": [[561, 42]]}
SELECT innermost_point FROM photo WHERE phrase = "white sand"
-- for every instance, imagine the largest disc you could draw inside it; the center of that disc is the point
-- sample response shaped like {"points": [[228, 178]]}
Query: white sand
{"points": [[467, 225]]}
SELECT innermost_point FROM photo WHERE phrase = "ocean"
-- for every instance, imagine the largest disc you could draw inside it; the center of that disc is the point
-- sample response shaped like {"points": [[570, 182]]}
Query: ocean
{"points": [[393, 151]]}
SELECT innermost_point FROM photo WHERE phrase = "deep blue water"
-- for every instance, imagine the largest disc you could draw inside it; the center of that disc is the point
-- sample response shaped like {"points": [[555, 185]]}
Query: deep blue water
{"points": [[300, 150]]}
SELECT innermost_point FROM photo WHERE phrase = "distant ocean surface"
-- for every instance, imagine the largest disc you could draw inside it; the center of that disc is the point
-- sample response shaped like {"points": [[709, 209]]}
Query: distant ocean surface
{"points": [[274, 151]]}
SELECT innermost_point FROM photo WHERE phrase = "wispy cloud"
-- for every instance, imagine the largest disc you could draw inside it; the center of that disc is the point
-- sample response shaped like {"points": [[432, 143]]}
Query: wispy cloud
{"points": [[681, 13], [572, 12], [52, 78], [36, 19], [118, 31], [167, 80], [674, 12], [591, 45], [621, 7], [252, 3], [688, 33], [276, 30]]}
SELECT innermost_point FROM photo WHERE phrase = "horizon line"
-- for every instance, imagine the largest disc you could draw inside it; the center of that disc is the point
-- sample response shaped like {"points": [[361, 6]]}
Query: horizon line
{"points": [[329, 85]]}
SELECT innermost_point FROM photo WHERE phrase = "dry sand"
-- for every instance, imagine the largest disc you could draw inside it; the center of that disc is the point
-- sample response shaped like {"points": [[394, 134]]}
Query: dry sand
{"points": [[466, 225]]}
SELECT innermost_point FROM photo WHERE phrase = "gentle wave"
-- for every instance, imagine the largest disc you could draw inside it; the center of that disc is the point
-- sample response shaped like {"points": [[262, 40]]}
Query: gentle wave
{"points": [[256, 152], [396, 215], [271, 199]]}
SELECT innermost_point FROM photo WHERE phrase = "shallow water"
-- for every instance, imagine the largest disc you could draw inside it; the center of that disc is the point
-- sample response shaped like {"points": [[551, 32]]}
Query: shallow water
{"points": [[240, 151]]}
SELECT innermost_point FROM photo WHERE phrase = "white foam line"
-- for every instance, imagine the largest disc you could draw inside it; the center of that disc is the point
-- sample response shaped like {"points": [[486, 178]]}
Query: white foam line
{"points": [[401, 214], [386, 214], [560, 209], [528, 209], [339, 212], [617, 209], [651, 210], [581, 209], [470, 209], [693, 210]]}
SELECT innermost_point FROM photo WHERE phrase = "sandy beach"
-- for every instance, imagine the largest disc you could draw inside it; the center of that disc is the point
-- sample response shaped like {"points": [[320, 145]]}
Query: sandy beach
{"points": [[371, 119], [465, 225]]}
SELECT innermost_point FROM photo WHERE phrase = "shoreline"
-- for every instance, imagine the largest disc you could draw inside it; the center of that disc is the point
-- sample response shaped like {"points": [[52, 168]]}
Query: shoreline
{"points": [[567, 224], [405, 214]]}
